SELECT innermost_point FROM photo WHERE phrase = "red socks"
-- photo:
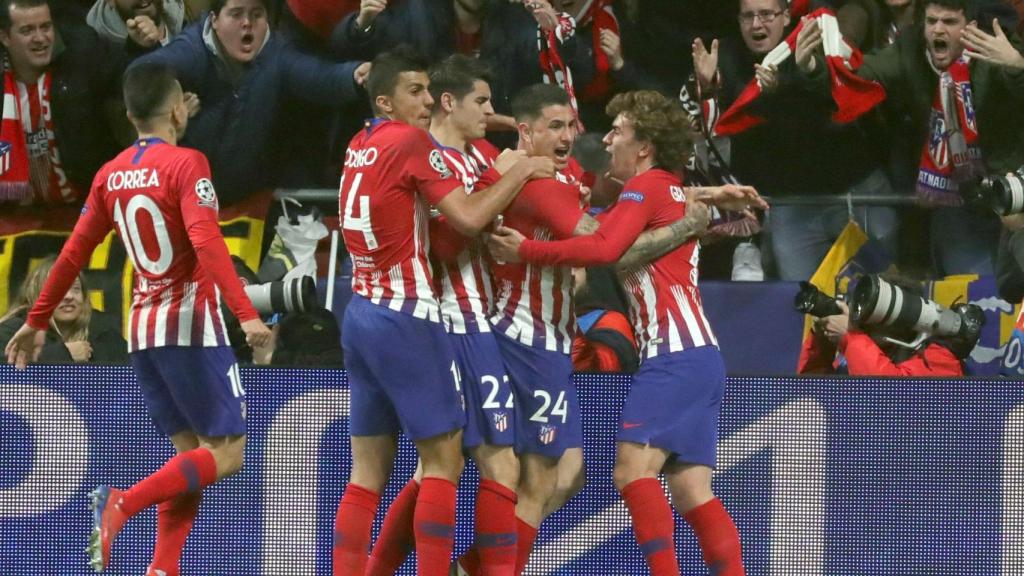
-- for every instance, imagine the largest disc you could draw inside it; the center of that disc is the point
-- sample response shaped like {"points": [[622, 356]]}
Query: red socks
{"points": [[496, 529], [352, 526], [718, 538], [174, 522], [396, 539], [434, 527], [186, 473], [525, 535], [653, 524]]}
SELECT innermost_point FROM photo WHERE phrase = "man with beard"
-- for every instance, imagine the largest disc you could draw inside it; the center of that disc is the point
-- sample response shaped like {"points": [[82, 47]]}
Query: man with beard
{"points": [[148, 24]]}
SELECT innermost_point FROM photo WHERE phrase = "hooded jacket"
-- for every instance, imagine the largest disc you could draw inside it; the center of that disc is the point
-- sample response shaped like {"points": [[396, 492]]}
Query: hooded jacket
{"points": [[240, 103]]}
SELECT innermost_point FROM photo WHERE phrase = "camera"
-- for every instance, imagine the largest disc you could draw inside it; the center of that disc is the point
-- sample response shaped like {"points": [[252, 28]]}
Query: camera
{"points": [[878, 303], [1005, 194], [282, 296], [810, 300]]}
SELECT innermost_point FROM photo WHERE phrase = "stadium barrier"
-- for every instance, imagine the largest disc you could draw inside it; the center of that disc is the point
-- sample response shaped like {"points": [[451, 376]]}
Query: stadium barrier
{"points": [[823, 477]]}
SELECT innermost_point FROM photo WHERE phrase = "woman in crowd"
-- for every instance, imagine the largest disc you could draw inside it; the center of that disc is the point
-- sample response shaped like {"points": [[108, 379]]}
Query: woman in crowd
{"points": [[77, 334]]}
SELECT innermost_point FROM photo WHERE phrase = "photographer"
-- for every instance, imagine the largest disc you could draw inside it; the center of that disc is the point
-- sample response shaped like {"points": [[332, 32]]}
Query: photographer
{"points": [[1010, 282], [836, 347]]}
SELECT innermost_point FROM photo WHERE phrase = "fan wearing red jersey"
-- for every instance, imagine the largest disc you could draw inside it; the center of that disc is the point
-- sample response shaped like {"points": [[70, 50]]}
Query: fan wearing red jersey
{"points": [[402, 370], [160, 200], [670, 418]]}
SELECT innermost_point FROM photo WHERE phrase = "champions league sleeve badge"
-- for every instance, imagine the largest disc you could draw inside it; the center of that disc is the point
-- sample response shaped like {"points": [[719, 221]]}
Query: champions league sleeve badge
{"points": [[438, 164], [205, 192]]}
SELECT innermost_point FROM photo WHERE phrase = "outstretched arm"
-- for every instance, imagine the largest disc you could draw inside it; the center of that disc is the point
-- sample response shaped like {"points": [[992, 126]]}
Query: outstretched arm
{"points": [[654, 244]]}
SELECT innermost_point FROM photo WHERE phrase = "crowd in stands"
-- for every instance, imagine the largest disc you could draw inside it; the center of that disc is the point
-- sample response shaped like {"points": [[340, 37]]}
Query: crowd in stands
{"points": [[275, 91]]}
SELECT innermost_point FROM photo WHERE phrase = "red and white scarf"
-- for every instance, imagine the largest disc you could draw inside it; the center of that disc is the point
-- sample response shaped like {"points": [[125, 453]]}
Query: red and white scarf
{"points": [[852, 95], [551, 64], [28, 111], [603, 17], [14, 185], [951, 155]]}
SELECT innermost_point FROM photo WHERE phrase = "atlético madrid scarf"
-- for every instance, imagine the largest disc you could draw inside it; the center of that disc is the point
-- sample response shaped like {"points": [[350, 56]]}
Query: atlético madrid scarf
{"points": [[551, 63], [951, 155], [14, 185], [853, 95]]}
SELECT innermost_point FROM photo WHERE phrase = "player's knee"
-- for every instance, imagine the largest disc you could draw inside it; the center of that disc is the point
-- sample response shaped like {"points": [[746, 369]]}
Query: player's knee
{"points": [[501, 467], [575, 482], [624, 474]]}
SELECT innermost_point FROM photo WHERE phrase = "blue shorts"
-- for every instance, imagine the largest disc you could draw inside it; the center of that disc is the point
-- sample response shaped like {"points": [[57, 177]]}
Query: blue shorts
{"points": [[401, 373], [674, 404], [490, 413], [192, 388], [548, 420]]}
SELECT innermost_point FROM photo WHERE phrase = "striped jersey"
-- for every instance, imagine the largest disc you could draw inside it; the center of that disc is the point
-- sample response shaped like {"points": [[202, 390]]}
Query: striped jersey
{"points": [[392, 175], [533, 303], [462, 277], [161, 201], [665, 303]]}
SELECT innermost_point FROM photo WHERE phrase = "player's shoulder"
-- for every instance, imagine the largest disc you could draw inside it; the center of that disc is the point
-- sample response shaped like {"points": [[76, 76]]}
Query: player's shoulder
{"points": [[651, 185], [484, 149], [550, 186]]}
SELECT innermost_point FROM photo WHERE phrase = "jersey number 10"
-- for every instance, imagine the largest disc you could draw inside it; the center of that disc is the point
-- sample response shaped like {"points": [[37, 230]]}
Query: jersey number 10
{"points": [[128, 228]]}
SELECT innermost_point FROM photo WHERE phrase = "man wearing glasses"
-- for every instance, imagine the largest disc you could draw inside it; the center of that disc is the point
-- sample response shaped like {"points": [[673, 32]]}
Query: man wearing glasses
{"points": [[785, 156]]}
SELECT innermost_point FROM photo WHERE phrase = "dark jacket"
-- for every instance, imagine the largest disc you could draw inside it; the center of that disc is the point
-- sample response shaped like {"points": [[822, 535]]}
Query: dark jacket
{"points": [[234, 127], [910, 85], [426, 25], [798, 150], [86, 71], [108, 347], [1010, 266]]}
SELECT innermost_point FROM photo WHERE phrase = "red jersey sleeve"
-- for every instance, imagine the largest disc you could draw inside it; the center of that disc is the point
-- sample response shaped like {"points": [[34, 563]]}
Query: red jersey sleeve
{"points": [[430, 174], [445, 242], [552, 204], [92, 227], [620, 227], [865, 358], [198, 202]]}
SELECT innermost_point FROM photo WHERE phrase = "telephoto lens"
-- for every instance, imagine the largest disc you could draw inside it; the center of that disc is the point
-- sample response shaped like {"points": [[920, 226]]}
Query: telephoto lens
{"points": [[283, 296], [876, 302]]}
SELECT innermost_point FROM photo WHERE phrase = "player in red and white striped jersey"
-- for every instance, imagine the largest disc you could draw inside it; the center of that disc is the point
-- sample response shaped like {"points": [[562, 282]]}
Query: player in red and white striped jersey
{"points": [[402, 371], [670, 418], [160, 200], [459, 86]]}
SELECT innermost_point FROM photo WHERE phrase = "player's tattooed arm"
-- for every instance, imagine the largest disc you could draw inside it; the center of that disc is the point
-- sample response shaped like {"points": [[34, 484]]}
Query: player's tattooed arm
{"points": [[587, 225], [654, 244]]}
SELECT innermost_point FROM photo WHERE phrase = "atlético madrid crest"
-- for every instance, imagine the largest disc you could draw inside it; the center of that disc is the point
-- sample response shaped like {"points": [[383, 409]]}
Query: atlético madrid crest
{"points": [[500, 421], [547, 434]]}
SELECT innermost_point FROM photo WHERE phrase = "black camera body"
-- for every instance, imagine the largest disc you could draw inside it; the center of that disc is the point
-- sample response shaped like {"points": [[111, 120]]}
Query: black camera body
{"points": [[810, 300], [1003, 193]]}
